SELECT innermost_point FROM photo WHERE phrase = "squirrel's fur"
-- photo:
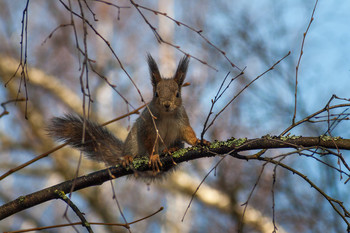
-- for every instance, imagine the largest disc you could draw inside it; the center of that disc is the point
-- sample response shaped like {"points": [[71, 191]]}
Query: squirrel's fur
{"points": [[168, 118]]}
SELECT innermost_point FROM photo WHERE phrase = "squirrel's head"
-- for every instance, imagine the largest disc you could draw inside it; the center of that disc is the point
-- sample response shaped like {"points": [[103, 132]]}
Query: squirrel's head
{"points": [[167, 92]]}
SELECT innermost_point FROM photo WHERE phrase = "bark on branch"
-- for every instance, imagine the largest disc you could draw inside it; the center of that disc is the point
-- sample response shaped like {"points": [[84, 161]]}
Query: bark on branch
{"points": [[232, 147]]}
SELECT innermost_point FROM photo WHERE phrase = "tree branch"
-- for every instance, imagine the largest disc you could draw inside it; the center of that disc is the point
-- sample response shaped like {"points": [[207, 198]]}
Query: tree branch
{"points": [[231, 146]]}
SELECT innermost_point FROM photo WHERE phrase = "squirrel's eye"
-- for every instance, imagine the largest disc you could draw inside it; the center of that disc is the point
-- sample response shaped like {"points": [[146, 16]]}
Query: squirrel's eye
{"points": [[177, 94], [156, 94]]}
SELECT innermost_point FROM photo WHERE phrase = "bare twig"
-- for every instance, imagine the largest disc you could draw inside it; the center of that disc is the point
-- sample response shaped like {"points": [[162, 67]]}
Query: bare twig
{"points": [[308, 118], [23, 65], [216, 98], [76, 210], [344, 213], [297, 66], [54, 30], [179, 23], [250, 83], [3, 105], [245, 204], [114, 5], [119, 207], [91, 223], [205, 177], [114, 54]]}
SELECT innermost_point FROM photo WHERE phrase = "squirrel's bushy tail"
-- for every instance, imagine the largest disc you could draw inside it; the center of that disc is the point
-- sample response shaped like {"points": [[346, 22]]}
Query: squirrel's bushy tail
{"points": [[99, 143]]}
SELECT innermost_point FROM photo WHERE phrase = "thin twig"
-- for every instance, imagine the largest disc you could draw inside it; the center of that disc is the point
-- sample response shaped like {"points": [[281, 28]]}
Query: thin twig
{"points": [[91, 223], [216, 98], [76, 210], [23, 65], [250, 83], [205, 177], [179, 23], [3, 105], [307, 119], [297, 66], [245, 204], [344, 214], [161, 40]]}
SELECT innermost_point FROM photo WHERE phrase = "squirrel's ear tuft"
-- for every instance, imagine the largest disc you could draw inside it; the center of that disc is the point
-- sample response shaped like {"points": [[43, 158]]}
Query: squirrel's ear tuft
{"points": [[153, 70], [181, 71]]}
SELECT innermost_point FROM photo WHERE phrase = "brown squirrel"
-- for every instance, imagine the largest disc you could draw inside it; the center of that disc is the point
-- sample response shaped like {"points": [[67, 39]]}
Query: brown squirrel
{"points": [[162, 130]]}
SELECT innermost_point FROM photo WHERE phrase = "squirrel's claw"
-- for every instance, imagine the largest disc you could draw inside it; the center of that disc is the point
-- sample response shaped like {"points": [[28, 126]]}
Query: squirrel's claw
{"points": [[170, 150], [204, 143], [126, 160], [155, 163]]}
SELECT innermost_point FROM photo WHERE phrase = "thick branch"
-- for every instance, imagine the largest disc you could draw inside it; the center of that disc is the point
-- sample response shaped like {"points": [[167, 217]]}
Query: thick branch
{"points": [[231, 146]]}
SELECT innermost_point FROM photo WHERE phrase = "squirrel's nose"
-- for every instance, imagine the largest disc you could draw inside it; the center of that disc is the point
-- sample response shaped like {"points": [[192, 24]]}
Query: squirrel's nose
{"points": [[167, 105]]}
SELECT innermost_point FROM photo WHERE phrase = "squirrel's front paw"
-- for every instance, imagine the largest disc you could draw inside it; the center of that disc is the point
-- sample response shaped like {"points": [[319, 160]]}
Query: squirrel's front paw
{"points": [[154, 162], [126, 160], [205, 142], [170, 150]]}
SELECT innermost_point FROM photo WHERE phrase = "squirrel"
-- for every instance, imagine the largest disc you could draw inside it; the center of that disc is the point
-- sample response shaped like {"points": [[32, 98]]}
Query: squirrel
{"points": [[162, 127]]}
